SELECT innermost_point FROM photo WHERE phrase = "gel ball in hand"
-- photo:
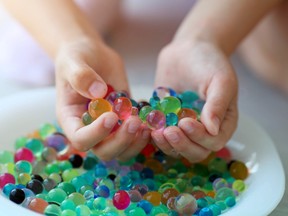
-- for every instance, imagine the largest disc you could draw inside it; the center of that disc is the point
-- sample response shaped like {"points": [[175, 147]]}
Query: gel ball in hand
{"points": [[99, 106]]}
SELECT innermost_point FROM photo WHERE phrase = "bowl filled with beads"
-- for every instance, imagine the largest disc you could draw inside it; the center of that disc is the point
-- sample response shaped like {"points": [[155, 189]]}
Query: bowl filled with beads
{"points": [[41, 174]]}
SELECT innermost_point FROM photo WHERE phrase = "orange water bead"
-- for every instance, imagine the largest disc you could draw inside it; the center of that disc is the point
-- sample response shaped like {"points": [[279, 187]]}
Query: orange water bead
{"points": [[211, 194], [185, 112], [34, 135], [167, 194], [38, 205], [99, 106], [155, 165], [154, 197], [198, 194]]}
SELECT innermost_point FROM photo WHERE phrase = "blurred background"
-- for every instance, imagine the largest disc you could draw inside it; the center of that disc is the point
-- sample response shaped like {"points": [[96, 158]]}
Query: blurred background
{"points": [[139, 36]]}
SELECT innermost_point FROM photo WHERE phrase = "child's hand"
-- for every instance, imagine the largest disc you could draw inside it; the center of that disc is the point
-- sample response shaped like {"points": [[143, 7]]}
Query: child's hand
{"points": [[202, 67], [82, 68]]}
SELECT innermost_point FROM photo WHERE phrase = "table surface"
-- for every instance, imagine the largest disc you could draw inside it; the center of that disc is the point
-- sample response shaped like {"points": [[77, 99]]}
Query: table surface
{"points": [[265, 104]]}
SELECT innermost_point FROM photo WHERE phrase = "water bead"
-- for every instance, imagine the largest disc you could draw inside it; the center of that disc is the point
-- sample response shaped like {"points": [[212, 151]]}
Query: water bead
{"points": [[185, 204], [171, 119], [52, 210], [156, 120], [23, 166], [89, 162], [58, 141], [52, 168], [109, 90], [8, 188], [87, 118], [162, 92], [82, 210], [49, 154], [24, 154], [76, 160], [38, 205], [187, 98], [20, 142], [217, 165], [88, 194], [197, 194], [46, 130], [143, 113], [153, 197], [238, 170], [230, 201], [219, 183], [239, 185], [197, 181], [6, 157], [114, 95], [122, 106], [225, 154], [6, 178], [121, 199], [23, 178], [186, 113], [38, 177], [135, 195], [170, 105], [167, 194], [136, 212], [206, 212], [17, 196], [69, 174], [68, 212], [67, 187], [77, 198], [102, 191], [35, 185], [35, 145], [99, 106], [145, 205], [223, 193], [100, 203], [49, 184], [142, 104]]}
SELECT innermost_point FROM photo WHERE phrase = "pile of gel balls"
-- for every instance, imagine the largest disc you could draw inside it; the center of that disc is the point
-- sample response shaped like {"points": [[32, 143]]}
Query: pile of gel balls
{"points": [[46, 175]]}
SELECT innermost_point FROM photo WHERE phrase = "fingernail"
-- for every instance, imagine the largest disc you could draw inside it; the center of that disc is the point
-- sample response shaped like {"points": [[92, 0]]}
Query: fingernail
{"points": [[216, 125], [188, 127], [145, 134], [96, 89], [110, 122], [173, 137], [133, 127]]}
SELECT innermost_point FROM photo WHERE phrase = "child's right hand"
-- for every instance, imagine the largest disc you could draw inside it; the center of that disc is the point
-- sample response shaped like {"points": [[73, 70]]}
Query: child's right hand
{"points": [[82, 68]]}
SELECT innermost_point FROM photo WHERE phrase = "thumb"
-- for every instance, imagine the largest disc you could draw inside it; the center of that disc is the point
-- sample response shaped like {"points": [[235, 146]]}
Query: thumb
{"points": [[220, 94], [87, 82]]}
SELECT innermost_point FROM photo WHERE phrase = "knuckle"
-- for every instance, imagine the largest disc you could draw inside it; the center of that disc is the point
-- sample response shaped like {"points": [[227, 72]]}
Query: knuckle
{"points": [[216, 146]]}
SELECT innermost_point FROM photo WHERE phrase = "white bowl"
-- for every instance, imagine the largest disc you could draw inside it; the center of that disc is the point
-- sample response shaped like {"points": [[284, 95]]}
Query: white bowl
{"points": [[24, 112]]}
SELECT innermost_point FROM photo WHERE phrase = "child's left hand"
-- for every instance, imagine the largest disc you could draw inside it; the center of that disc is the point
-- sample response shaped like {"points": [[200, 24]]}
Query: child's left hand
{"points": [[202, 67]]}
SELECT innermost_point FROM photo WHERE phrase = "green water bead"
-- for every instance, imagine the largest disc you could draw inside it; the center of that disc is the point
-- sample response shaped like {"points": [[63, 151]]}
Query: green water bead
{"points": [[23, 178], [181, 184], [230, 201], [52, 210], [42, 196], [20, 142], [82, 210], [56, 195], [155, 103], [77, 198], [67, 187], [35, 145], [158, 210], [144, 112], [100, 203], [65, 165], [47, 130], [217, 165], [87, 118], [68, 212], [108, 183], [67, 204], [23, 166], [52, 168], [137, 211], [170, 105], [6, 157], [215, 209], [200, 169], [165, 186], [221, 205], [78, 182], [197, 181], [56, 177], [10, 167], [202, 202], [239, 185], [89, 162], [172, 173], [223, 193], [69, 174], [85, 188], [171, 119]]}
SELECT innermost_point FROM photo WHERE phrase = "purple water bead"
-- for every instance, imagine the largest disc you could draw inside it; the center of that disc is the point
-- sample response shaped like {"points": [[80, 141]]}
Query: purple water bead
{"points": [[58, 141], [156, 120]]}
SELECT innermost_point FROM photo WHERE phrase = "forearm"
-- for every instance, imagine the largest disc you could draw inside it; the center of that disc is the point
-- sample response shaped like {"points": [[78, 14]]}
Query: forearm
{"points": [[223, 22], [51, 22]]}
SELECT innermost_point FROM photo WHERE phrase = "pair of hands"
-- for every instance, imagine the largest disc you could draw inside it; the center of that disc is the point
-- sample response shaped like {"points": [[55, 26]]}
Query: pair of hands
{"points": [[83, 67]]}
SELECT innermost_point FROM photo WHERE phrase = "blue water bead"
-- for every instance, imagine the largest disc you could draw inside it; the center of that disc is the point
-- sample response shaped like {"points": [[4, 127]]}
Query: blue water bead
{"points": [[230, 201], [78, 182], [107, 182], [102, 191], [171, 119], [20, 186], [8, 188], [133, 102], [28, 192], [89, 176], [187, 98], [206, 212], [151, 184], [100, 172], [145, 205], [125, 182], [162, 92], [202, 203], [147, 173], [155, 103], [134, 175]]}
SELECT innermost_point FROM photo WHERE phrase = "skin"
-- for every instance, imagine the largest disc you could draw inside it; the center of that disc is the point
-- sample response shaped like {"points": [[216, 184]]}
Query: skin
{"points": [[199, 52]]}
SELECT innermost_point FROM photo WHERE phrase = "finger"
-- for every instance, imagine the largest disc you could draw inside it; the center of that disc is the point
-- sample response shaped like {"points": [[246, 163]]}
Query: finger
{"points": [[162, 143], [140, 141], [184, 146], [84, 138], [218, 100], [115, 144], [197, 132]]}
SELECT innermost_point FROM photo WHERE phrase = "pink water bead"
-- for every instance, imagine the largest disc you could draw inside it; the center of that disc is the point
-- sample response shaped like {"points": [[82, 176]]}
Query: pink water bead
{"points": [[6, 178], [122, 107], [24, 154], [225, 154], [156, 120], [121, 199]]}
